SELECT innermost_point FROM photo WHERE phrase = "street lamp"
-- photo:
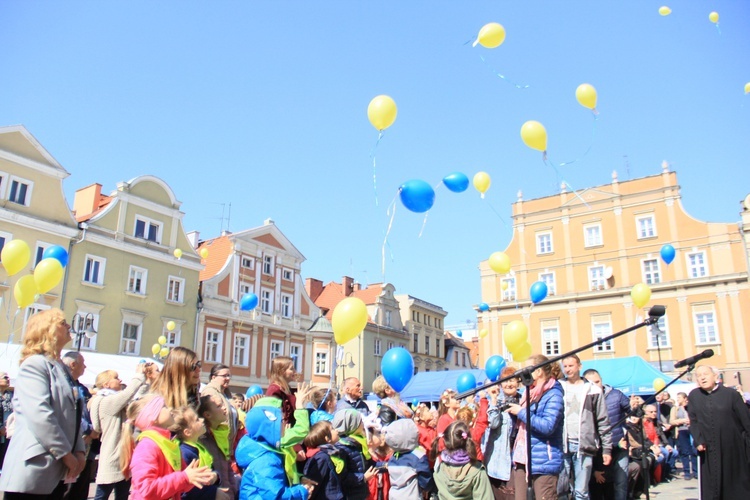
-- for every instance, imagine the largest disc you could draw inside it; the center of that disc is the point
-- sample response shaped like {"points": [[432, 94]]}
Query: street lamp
{"points": [[345, 365], [82, 325]]}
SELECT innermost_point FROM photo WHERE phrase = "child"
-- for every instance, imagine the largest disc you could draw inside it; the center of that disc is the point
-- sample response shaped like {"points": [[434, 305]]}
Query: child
{"points": [[216, 441], [380, 484], [477, 423], [353, 445], [281, 374], [324, 462], [156, 466], [322, 402], [409, 469], [425, 421], [458, 475], [447, 410]]}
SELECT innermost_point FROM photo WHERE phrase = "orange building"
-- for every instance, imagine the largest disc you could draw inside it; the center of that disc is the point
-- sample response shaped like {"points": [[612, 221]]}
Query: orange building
{"points": [[592, 247]]}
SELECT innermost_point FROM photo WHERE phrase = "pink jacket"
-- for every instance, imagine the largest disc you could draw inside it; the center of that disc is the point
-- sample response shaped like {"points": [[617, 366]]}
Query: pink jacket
{"points": [[152, 476]]}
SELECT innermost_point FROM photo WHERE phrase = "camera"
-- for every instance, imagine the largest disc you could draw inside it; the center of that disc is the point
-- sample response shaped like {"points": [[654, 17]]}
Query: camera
{"points": [[510, 400]]}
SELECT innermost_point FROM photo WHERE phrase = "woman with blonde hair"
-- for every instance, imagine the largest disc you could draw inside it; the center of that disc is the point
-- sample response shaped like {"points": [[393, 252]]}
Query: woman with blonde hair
{"points": [[179, 379], [47, 445]]}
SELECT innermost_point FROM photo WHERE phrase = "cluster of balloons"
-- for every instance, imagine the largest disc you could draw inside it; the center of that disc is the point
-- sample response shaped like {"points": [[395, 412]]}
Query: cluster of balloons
{"points": [[516, 337], [419, 196], [248, 302], [382, 112], [348, 320], [493, 367], [397, 367], [47, 273], [160, 349]]}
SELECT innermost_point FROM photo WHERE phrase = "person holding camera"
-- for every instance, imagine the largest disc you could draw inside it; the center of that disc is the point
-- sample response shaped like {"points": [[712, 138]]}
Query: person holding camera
{"points": [[500, 436]]}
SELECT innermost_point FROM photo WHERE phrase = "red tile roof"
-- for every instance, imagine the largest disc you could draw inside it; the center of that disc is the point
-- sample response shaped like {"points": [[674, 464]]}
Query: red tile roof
{"points": [[219, 250], [370, 294], [104, 201], [333, 293]]}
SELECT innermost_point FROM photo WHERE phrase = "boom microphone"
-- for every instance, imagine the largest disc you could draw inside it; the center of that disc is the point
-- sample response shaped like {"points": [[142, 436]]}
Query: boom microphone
{"points": [[694, 359]]}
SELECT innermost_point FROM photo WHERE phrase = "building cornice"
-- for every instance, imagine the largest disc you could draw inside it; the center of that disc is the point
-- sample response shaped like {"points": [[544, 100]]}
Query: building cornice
{"points": [[39, 224]]}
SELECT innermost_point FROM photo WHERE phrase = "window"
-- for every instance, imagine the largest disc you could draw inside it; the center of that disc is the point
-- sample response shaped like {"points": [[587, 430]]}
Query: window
{"points": [[592, 235], [697, 264], [455, 358], [4, 238], [550, 338], [93, 270], [437, 346], [427, 345], [416, 343], [286, 305], [388, 318], [175, 290], [509, 288], [3, 183], [147, 229], [651, 273], [416, 370], [428, 320], [287, 274], [267, 264], [543, 243], [376, 347], [40, 248], [247, 262], [704, 318], [20, 191], [295, 352], [277, 348], [646, 226], [241, 351], [463, 359], [438, 323], [658, 336], [130, 341], [391, 345], [173, 337], [266, 300], [321, 362], [137, 280], [245, 288], [596, 278], [214, 340], [602, 328], [549, 280]]}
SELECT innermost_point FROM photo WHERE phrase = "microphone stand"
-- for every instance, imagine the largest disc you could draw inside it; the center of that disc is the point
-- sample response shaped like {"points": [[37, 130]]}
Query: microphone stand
{"points": [[525, 374]]}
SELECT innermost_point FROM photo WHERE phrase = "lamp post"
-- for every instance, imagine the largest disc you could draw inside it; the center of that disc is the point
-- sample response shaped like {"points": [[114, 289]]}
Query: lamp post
{"points": [[345, 365], [82, 325]]}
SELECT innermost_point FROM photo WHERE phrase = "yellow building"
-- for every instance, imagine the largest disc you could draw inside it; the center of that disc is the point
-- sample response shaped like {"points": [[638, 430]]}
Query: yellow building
{"points": [[592, 247]]}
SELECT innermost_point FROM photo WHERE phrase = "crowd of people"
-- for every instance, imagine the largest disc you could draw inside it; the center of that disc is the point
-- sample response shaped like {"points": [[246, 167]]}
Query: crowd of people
{"points": [[165, 435]]}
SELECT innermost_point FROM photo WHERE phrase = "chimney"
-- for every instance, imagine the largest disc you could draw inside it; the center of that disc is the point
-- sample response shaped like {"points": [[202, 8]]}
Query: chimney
{"points": [[347, 285], [357, 286], [313, 288], [194, 238], [86, 200]]}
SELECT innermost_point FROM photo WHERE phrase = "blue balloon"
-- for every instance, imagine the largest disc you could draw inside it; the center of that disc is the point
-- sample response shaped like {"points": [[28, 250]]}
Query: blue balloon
{"points": [[415, 402], [248, 302], [397, 368], [253, 390], [667, 253], [538, 292], [456, 182], [466, 382], [56, 252], [483, 306], [494, 366], [417, 196], [459, 333]]}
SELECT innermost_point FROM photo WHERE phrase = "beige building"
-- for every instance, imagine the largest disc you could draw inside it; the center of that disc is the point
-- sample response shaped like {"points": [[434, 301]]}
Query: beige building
{"points": [[424, 321], [592, 247]]}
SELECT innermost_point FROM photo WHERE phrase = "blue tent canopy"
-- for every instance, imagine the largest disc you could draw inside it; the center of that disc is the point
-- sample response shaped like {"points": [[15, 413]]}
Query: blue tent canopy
{"points": [[428, 386], [632, 375]]}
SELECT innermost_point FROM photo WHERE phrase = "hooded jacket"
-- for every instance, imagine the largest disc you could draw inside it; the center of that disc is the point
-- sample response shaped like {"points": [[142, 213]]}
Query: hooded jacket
{"points": [[346, 422], [594, 430], [618, 406], [321, 469], [261, 455], [462, 482], [408, 468], [497, 445]]}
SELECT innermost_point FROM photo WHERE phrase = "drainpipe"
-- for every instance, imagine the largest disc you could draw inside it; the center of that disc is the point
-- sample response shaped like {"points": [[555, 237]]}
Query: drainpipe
{"points": [[84, 226]]}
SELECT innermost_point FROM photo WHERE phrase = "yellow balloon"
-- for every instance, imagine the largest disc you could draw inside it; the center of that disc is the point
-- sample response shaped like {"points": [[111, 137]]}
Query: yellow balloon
{"points": [[177, 253], [659, 384], [15, 256], [713, 17], [164, 352], [534, 135], [483, 333], [482, 182], [640, 294], [747, 88], [25, 291], [522, 352], [504, 285], [204, 253], [170, 325], [665, 11], [491, 35], [500, 262], [162, 340], [382, 112], [47, 274], [349, 319], [515, 334], [586, 95], [155, 349]]}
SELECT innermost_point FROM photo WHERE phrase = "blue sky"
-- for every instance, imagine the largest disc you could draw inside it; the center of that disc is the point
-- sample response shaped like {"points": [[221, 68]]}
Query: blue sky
{"points": [[263, 105]]}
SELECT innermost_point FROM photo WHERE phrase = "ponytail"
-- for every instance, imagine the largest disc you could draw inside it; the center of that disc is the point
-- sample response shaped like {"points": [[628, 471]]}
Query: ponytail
{"points": [[127, 442]]}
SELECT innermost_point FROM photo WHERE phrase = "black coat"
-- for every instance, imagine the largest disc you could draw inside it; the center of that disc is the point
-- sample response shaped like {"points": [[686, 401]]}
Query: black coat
{"points": [[321, 469], [354, 484]]}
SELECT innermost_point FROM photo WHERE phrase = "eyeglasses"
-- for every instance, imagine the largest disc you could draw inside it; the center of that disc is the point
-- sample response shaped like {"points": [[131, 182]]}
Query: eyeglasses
{"points": [[224, 375], [196, 365]]}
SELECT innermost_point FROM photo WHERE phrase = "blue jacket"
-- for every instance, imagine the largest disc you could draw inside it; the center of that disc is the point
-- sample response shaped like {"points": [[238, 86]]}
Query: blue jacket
{"points": [[618, 405], [546, 431], [190, 453], [259, 454], [408, 468], [320, 468], [497, 445], [353, 483]]}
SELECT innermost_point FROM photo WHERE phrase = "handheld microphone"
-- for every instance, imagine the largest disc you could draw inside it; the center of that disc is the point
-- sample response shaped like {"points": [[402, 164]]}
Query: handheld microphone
{"points": [[694, 359]]}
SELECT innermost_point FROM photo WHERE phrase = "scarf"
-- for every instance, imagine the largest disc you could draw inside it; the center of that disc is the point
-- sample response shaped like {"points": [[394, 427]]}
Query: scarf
{"points": [[204, 457], [221, 436], [363, 443], [330, 450], [519, 448], [169, 448], [457, 457]]}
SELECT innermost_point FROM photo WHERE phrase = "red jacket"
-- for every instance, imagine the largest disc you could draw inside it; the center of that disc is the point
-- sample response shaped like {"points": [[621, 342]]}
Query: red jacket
{"points": [[380, 484], [427, 436], [480, 425], [152, 476], [443, 422]]}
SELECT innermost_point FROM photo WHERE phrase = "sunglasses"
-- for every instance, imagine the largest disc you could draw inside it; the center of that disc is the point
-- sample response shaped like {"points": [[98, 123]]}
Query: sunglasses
{"points": [[196, 365]]}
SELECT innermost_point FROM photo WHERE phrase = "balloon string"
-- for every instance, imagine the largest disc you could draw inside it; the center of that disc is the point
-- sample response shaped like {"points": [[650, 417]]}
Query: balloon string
{"points": [[496, 73], [496, 213], [591, 144], [424, 223], [374, 167], [718, 29], [567, 184], [387, 232]]}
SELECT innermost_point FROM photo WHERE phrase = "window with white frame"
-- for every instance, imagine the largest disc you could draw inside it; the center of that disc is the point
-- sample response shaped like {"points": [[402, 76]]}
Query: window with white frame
{"points": [[40, 248], [137, 280], [597, 280], [376, 347], [416, 343], [321, 362], [277, 348], [147, 229], [173, 337], [20, 191], [214, 344], [651, 271], [388, 318], [287, 274], [286, 305], [437, 346], [658, 336], [646, 226], [93, 270], [592, 235], [391, 345], [463, 359], [3, 184], [509, 288], [704, 318], [241, 350], [176, 289], [266, 300], [245, 288], [602, 327], [4, 238], [548, 278], [131, 338], [697, 264], [32, 310], [268, 264], [543, 243], [295, 352], [550, 338], [427, 341], [248, 262]]}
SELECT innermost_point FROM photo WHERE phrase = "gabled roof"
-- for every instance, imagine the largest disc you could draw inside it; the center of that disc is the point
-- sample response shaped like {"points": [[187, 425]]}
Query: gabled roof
{"points": [[219, 250], [452, 340], [269, 234], [18, 141], [370, 294]]}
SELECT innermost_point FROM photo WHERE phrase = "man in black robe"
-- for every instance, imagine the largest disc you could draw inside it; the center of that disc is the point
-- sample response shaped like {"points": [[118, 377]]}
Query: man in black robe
{"points": [[720, 425]]}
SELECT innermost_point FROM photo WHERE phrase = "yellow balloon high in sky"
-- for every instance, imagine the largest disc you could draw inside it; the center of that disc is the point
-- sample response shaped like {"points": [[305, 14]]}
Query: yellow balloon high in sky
{"points": [[747, 88], [586, 95], [482, 182], [713, 17], [490, 36], [534, 135], [665, 11], [382, 112]]}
